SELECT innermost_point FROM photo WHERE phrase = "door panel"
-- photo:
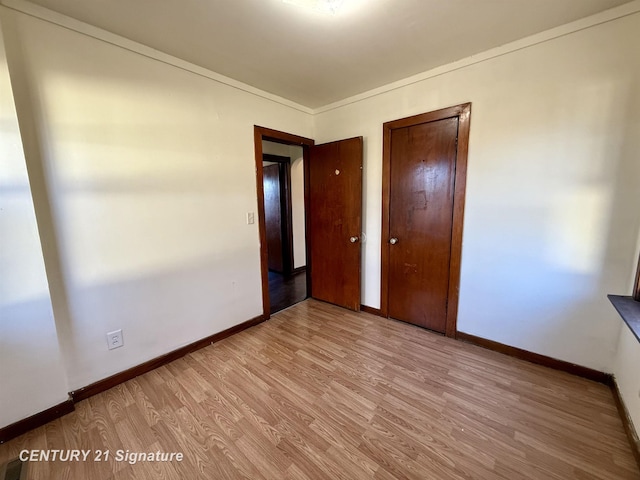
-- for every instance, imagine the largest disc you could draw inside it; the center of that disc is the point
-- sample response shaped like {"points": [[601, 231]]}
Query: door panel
{"points": [[273, 216], [421, 194], [335, 219]]}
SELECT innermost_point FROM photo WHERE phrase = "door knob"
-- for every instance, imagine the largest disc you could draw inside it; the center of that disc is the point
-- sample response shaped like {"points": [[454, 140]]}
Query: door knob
{"points": [[353, 239], [393, 240]]}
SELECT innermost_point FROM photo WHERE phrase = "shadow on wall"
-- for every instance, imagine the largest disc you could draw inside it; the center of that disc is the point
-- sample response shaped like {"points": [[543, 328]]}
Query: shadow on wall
{"points": [[158, 312], [572, 184], [140, 195]]}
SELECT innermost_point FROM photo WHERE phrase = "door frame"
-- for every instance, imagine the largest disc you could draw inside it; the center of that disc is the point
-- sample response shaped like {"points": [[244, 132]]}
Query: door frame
{"points": [[260, 134], [286, 215], [463, 112]]}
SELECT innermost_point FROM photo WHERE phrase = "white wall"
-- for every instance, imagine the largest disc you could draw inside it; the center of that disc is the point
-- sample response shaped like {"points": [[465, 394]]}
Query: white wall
{"points": [[627, 361], [150, 170], [32, 377], [552, 193], [297, 207], [626, 373], [294, 152]]}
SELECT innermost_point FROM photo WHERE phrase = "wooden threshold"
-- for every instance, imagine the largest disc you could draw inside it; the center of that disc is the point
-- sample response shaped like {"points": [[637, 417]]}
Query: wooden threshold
{"points": [[371, 310]]}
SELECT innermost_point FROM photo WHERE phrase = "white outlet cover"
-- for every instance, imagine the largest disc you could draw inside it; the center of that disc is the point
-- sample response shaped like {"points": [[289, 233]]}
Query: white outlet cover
{"points": [[114, 339]]}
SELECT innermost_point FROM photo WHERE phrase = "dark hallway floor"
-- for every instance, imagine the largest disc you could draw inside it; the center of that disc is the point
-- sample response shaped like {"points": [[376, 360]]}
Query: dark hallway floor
{"points": [[286, 291]]}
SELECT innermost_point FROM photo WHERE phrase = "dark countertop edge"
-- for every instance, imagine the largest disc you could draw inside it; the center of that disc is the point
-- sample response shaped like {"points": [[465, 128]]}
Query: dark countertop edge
{"points": [[629, 310]]}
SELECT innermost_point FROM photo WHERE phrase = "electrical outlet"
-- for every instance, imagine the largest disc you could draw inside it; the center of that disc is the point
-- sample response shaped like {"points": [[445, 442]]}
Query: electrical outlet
{"points": [[250, 218], [114, 339]]}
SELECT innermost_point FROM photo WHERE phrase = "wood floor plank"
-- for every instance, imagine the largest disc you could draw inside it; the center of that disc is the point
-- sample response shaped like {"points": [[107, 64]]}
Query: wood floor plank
{"points": [[319, 392]]}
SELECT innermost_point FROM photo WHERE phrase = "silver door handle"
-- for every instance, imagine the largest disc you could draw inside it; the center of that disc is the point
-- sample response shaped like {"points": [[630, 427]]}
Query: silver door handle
{"points": [[353, 239], [393, 240]]}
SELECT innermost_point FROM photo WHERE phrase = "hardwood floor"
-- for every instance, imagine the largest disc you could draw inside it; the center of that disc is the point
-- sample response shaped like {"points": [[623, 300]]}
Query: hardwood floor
{"points": [[285, 291], [322, 392]]}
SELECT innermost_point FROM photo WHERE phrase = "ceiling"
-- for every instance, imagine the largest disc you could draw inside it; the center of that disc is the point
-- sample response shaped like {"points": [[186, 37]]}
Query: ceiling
{"points": [[316, 59]]}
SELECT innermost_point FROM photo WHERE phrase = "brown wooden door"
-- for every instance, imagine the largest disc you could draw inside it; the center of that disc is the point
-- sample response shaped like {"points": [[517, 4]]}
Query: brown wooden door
{"points": [[335, 221], [273, 216], [421, 192]]}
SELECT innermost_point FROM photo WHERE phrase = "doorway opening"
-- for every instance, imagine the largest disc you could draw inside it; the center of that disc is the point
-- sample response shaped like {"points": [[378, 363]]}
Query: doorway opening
{"points": [[282, 171], [283, 183], [332, 213]]}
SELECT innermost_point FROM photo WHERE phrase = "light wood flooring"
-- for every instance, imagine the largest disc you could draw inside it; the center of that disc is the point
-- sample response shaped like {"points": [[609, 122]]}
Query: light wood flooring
{"points": [[320, 392]]}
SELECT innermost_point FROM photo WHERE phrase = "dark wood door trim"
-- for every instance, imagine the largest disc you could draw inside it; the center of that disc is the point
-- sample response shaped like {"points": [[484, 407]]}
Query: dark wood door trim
{"points": [[286, 208], [269, 157], [463, 112], [273, 211], [260, 134]]}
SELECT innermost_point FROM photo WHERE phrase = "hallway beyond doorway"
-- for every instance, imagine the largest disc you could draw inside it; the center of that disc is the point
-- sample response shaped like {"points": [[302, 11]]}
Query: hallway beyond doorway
{"points": [[285, 291]]}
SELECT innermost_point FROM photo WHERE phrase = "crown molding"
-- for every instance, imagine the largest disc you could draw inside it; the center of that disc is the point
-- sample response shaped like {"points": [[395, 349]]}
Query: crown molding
{"points": [[625, 10], [28, 8], [83, 28]]}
